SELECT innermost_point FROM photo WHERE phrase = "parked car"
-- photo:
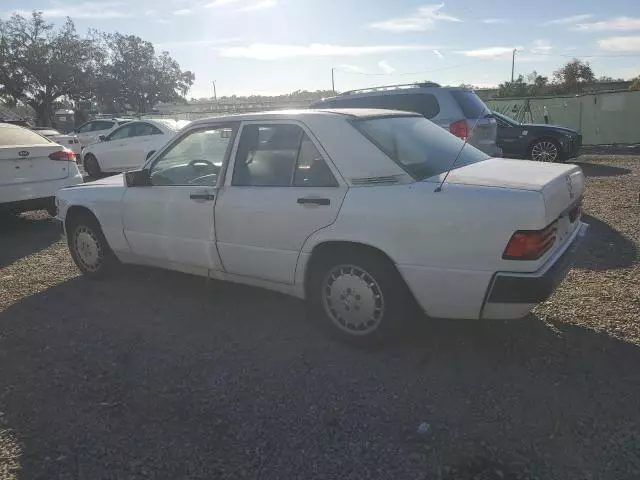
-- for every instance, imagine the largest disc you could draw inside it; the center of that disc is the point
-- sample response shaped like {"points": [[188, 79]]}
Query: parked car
{"points": [[88, 132], [69, 141], [543, 143], [128, 146], [458, 110], [32, 169], [359, 211]]}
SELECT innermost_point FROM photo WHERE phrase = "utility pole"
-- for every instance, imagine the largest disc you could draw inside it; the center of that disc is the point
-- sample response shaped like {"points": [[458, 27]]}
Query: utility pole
{"points": [[333, 81], [513, 63], [215, 96]]}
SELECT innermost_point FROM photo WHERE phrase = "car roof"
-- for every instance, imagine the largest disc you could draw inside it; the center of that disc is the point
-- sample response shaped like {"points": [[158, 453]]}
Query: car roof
{"points": [[306, 113]]}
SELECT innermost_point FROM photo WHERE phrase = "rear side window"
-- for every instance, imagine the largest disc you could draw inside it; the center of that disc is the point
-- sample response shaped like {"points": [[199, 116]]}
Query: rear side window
{"points": [[424, 104], [101, 125], [470, 103], [12, 135]]}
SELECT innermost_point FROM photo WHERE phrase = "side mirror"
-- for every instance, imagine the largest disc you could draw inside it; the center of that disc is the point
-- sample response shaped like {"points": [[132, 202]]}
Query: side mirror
{"points": [[102, 138], [138, 178]]}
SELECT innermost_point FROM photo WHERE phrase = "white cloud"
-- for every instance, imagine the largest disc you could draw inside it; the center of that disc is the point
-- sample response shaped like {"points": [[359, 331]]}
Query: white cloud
{"points": [[220, 3], [351, 68], [437, 53], [619, 23], [491, 52], [620, 44], [270, 51], [495, 20], [386, 68], [569, 20], [197, 43], [182, 12], [82, 10], [424, 19], [257, 6], [541, 46]]}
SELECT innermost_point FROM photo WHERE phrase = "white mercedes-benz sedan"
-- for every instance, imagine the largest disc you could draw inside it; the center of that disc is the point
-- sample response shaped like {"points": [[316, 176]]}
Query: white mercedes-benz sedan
{"points": [[363, 213]]}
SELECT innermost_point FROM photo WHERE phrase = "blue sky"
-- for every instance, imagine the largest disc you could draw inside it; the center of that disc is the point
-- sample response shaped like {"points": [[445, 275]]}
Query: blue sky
{"points": [[277, 46]]}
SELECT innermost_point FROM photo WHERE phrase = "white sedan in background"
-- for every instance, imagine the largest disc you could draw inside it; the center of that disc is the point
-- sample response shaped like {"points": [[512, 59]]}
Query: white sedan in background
{"points": [[88, 132], [363, 213], [128, 146], [32, 169]]}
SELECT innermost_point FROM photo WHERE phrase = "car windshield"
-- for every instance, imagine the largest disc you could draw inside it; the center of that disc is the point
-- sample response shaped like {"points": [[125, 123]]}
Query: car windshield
{"points": [[418, 145]]}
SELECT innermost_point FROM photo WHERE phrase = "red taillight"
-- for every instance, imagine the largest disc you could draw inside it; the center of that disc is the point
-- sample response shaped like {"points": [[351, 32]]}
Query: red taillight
{"points": [[530, 244], [64, 155], [459, 129]]}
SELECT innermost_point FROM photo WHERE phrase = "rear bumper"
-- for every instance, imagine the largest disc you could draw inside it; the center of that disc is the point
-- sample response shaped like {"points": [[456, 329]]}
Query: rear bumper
{"points": [[514, 294], [38, 191], [572, 146]]}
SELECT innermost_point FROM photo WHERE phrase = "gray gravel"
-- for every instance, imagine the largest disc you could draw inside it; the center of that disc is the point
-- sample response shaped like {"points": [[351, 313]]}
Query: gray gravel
{"points": [[161, 375]]}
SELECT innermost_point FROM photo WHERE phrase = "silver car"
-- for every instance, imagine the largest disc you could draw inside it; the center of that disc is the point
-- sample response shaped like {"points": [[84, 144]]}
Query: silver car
{"points": [[458, 110]]}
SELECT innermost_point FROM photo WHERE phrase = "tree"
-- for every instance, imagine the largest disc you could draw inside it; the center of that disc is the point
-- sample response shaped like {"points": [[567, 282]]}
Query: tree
{"points": [[517, 88], [40, 65], [135, 78], [635, 83], [572, 76]]}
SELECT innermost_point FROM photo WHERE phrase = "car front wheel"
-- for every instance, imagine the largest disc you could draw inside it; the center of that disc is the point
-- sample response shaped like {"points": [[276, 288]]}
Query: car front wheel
{"points": [[89, 248], [545, 150], [360, 296], [92, 166]]}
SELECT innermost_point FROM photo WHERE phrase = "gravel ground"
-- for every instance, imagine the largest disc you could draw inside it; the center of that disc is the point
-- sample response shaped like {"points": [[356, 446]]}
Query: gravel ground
{"points": [[159, 375]]}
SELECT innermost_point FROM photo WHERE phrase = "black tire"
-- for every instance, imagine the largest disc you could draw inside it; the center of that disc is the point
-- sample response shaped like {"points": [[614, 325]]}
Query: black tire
{"points": [[91, 166], [82, 231], [540, 143], [328, 301], [51, 209]]}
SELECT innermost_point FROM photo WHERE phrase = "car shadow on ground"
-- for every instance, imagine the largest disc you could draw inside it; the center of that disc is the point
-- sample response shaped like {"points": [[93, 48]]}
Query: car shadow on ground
{"points": [[156, 374], [21, 235], [601, 170], [605, 248]]}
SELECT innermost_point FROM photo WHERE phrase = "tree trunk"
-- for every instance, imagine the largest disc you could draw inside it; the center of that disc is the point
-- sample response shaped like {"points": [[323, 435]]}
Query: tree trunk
{"points": [[44, 114]]}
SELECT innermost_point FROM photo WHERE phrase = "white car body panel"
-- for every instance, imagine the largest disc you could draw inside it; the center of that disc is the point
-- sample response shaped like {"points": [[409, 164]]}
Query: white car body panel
{"points": [[447, 245]]}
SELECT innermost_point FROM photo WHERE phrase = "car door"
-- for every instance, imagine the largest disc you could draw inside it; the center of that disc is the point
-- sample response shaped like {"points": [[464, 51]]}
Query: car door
{"points": [[114, 151], [84, 133], [171, 222], [281, 189], [510, 138], [133, 151]]}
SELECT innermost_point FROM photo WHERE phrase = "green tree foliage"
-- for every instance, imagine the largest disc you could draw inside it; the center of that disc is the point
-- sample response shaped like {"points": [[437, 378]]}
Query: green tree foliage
{"points": [[573, 76], [635, 83], [43, 67], [40, 65]]}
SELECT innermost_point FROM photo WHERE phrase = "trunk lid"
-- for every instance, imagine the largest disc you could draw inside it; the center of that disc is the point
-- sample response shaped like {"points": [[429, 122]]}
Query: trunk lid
{"points": [[30, 163], [561, 185]]}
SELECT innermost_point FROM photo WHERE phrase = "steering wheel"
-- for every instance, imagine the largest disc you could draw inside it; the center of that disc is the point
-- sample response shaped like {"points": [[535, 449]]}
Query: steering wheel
{"points": [[200, 163]]}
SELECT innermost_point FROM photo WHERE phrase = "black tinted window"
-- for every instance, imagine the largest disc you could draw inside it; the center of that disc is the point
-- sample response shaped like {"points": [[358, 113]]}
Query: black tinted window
{"points": [[101, 125], [424, 104], [311, 169], [470, 103]]}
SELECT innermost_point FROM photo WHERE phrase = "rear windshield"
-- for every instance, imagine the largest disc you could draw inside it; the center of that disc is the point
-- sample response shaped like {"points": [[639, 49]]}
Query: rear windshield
{"points": [[418, 145], [12, 135], [471, 105]]}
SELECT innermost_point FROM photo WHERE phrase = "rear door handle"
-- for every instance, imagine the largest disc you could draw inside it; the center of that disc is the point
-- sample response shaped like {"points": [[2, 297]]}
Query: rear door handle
{"points": [[314, 201], [202, 196]]}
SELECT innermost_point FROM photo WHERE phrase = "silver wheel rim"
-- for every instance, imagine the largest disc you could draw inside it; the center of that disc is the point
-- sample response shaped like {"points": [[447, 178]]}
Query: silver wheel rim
{"points": [[353, 299], [88, 248], [544, 152]]}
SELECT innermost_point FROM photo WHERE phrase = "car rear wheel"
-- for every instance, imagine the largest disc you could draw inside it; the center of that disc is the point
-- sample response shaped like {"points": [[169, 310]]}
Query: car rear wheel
{"points": [[89, 248], [360, 296], [545, 150], [92, 166]]}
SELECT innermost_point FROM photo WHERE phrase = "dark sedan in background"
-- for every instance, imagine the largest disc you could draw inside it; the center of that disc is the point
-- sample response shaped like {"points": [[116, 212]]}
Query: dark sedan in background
{"points": [[543, 143]]}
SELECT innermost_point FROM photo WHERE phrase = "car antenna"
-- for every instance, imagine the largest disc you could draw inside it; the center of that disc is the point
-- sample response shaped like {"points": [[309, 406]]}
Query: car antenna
{"points": [[439, 187]]}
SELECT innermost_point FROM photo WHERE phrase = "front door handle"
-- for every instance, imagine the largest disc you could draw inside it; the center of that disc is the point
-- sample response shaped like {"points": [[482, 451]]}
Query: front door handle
{"points": [[202, 196], [314, 201]]}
